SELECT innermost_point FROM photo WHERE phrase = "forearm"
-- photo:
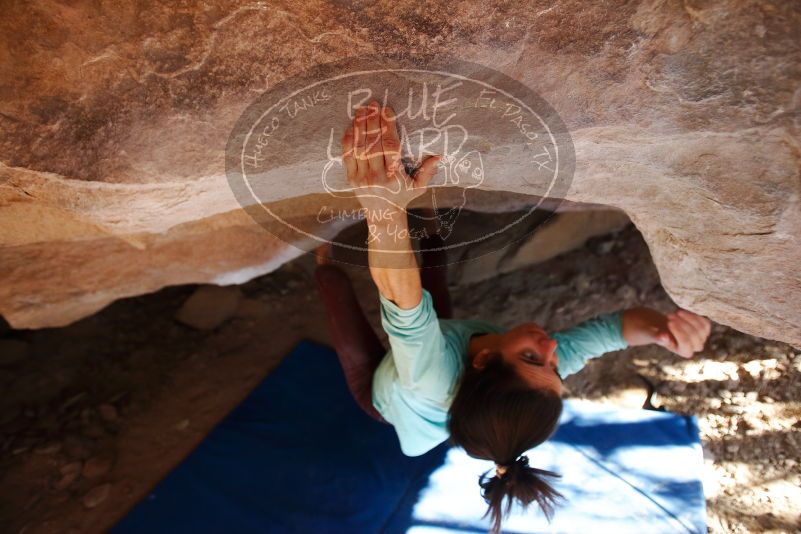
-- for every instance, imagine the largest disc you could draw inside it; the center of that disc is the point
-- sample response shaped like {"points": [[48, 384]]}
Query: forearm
{"points": [[393, 265], [641, 325]]}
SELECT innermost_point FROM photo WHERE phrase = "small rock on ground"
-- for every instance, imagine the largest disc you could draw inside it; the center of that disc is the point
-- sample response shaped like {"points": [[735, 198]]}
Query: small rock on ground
{"points": [[209, 307]]}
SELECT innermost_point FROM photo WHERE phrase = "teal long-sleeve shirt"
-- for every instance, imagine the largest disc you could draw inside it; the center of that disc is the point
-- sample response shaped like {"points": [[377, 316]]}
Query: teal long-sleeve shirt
{"points": [[415, 383]]}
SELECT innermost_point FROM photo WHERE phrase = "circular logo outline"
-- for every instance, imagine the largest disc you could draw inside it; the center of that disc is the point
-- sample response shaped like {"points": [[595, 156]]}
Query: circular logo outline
{"points": [[435, 70]]}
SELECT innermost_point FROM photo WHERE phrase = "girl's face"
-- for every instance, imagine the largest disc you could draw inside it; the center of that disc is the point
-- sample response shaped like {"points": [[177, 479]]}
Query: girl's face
{"points": [[530, 351]]}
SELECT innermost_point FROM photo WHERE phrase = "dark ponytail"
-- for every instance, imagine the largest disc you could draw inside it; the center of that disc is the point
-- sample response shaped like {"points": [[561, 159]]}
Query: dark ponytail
{"points": [[520, 482], [496, 416]]}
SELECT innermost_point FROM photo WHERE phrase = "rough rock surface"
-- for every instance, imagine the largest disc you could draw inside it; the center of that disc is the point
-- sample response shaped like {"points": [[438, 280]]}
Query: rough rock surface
{"points": [[114, 118]]}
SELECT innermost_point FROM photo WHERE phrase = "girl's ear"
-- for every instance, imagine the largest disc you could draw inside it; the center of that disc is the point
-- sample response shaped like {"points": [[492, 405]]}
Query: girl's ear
{"points": [[480, 360]]}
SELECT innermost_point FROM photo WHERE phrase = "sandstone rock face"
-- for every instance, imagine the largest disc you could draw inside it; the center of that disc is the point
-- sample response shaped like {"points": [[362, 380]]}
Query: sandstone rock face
{"points": [[114, 120]]}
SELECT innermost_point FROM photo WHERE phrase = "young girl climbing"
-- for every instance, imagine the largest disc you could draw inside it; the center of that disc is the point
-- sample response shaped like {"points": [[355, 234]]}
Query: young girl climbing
{"points": [[494, 392]]}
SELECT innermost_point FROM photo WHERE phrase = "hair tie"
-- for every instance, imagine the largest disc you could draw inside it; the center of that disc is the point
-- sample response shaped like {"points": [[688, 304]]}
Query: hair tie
{"points": [[501, 470]]}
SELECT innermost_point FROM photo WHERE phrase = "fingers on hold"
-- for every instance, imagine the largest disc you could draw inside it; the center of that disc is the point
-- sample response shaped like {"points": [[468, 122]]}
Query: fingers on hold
{"points": [[703, 324], [347, 148], [683, 338], [373, 121], [347, 154], [347, 143], [359, 145], [375, 152], [700, 328], [388, 114], [389, 127], [688, 316], [358, 131], [694, 335], [390, 141]]}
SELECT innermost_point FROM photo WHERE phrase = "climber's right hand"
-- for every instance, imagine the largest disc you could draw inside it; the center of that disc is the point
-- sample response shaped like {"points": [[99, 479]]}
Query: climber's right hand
{"points": [[688, 333]]}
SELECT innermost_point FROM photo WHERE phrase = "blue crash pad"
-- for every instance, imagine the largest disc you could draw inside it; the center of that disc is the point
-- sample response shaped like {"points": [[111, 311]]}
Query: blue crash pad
{"points": [[299, 456]]}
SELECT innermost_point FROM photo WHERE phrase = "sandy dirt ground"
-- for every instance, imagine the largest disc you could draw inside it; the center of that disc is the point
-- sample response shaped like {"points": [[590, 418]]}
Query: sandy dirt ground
{"points": [[93, 415]]}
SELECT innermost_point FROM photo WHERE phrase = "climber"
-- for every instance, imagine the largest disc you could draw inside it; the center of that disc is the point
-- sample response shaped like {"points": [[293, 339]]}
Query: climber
{"points": [[495, 393]]}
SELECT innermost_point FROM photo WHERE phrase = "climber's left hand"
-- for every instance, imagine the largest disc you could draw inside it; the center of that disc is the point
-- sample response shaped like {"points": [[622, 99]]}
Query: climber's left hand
{"points": [[371, 152]]}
